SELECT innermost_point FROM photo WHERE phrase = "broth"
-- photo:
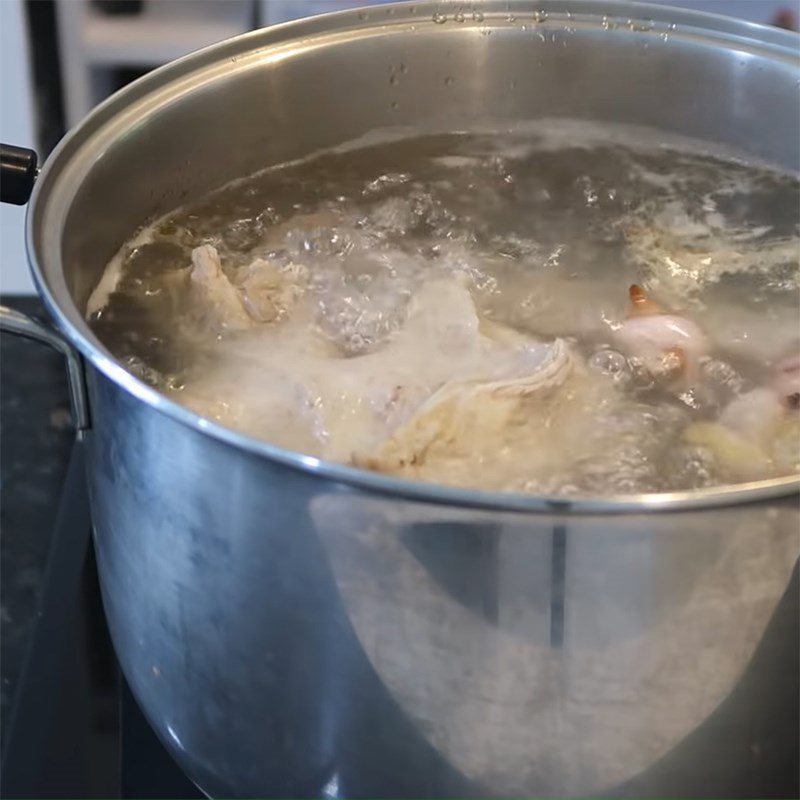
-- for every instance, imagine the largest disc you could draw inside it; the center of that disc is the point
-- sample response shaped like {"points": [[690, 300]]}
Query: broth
{"points": [[550, 309]]}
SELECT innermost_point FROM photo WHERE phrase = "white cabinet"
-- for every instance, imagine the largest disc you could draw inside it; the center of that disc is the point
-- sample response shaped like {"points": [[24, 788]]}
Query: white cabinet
{"points": [[17, 127], [92, 44], [274, 11]]}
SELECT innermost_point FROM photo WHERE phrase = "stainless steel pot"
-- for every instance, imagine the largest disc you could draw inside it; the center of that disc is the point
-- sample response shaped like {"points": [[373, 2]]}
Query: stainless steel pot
{"points": [[297, 628]]}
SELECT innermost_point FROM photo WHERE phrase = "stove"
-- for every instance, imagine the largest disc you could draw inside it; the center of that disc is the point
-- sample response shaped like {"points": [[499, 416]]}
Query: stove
{"points": [[72, 707], [69, 725]]}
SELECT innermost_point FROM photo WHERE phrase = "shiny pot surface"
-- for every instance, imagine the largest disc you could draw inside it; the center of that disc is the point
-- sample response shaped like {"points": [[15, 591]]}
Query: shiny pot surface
{"points": [[295, 628]]}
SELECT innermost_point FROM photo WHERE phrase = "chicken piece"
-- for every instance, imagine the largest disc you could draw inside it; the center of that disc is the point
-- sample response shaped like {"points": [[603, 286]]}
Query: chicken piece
{"points": [[686, 257], [264, 292], [353, 404], [735, 456], [756, 436], [364, 398], [220, 301], [753, 414], [668, 346], [268, 291], [465, 421], [785, 446]]}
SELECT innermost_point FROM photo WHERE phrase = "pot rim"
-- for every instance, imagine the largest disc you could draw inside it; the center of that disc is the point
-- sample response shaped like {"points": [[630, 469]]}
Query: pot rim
{"points": [[767, 41]]}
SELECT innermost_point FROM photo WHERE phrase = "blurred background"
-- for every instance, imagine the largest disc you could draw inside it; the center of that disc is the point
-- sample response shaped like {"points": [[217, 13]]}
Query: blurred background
{"points": [[62, 57]]}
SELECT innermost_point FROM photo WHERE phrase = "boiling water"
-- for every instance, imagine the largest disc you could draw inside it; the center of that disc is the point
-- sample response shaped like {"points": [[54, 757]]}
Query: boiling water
{"points": [[404, 251]]}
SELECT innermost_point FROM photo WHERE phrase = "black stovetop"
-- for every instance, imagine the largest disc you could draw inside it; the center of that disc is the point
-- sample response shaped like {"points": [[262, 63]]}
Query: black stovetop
{"points": [[69, 726]]}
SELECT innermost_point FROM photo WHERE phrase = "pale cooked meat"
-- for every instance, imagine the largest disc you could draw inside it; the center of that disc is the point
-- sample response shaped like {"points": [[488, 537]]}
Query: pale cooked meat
{"points": [[264, 291], [464, 422], [353, 404], [269, 291], [364, 398], [221, 304], [755, 436]]}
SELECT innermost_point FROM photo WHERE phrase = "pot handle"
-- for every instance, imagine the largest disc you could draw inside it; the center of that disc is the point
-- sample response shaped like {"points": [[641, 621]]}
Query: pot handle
{"points": [[18, 172], [13, 321]]}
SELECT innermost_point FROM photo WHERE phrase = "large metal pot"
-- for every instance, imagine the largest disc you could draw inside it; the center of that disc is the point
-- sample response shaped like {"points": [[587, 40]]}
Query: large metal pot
{"points": [[298, 628]]}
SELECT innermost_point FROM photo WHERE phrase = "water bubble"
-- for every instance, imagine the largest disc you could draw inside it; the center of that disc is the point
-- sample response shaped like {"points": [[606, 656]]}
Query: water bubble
{"points": [[458, 17], [589, 192], [640, 25], [403, 67], [393, 79], [387, 179], [143, 371], [363, 304], [554, 259], [511, 18], [439, 18], [393, 105], [477, 16], [363, 15], [610, 363], [664, 36], [722, 378], [695, 465], [691, 399], [540, 16], [176, 383], [448, 81]]}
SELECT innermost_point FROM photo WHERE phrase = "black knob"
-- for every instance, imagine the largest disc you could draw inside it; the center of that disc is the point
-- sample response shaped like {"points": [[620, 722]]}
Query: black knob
{"points": [[17, 174]]}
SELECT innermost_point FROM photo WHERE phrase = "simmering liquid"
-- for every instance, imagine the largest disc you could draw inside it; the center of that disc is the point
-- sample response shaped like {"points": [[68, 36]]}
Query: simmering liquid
{"points": [[554, 309]]}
